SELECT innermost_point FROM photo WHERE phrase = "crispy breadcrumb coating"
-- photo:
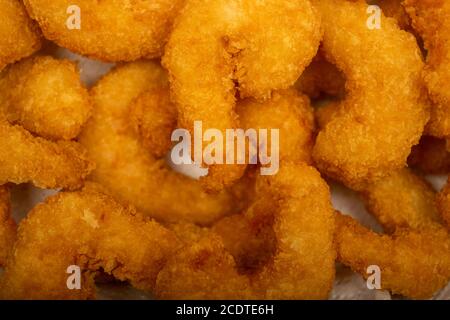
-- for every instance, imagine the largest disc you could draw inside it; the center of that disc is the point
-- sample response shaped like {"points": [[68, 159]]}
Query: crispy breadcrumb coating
{"points": [[414, 263], [113, 30], [431, 19], [384, 112], [443, 203], [247, 47], [125, 166], [46, 164], [45, 96], [402, 200], [90, 230], [19, 36], [296, 203]]}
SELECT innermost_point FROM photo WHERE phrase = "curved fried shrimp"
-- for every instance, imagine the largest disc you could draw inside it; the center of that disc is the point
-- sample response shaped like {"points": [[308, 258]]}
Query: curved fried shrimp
{"points": [[49, 165], [45, 96], [154, 118], [90, 230], [430, 156], [115, 30], [383, 112], [302, 266], [290, 113], [443, 203], [413, 263], [402, 200], [431, 19], [250, 47], [321, 77], [124, 165], [7, 225], [19, 37]]}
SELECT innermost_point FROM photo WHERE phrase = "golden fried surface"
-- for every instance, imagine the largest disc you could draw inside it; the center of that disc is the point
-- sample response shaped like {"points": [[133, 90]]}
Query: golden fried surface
{"points": [[250, 47], [413, 263], [443, 203], [46, 164], [383, 112], [19, 37], [402, 200], [127, 168], [290, 113], [302, 265], [113, 30], [91, 231], [431, 19], [154, 118], [45, 96], [7, 225]]}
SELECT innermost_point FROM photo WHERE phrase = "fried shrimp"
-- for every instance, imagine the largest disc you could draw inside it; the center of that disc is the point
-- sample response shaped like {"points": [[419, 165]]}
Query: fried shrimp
{"points": [[414, 263], [7, 225], [302, 265], [49, 165], [431, 19], [90, 230], [45, 96], [19, 37], [125, 166], [443, 203], [402, 200], [114, 30], [250, 47], [154, 118], [383, 114]]}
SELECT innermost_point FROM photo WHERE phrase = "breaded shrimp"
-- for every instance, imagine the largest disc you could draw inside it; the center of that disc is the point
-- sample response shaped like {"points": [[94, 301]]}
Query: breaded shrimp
{"points": [[402, 200], [19, 36], [90, 230], [414, 263], [113, 30], [46, 97], [125, 166], [220, 48], [302, 265], [49, 165], [431, 19], [384, 111], [7, 225]]}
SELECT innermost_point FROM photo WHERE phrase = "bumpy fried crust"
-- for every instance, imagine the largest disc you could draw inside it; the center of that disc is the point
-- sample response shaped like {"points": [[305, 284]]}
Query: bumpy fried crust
{"points": [[431, 19], [402, 200], [413, 263], [46, 164], [443, 203], [383, 113], [127, 168], [430, 156], [302, 266], [258, 46], [7, 225], [19, 37], [321, 77], [154, 118], [114, 30], [45, 96], [90, 230], [290, 113]]}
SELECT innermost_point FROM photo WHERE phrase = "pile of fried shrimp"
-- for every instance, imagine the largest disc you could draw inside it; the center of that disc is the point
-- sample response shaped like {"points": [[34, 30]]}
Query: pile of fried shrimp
{"points": [[360, 94]]}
